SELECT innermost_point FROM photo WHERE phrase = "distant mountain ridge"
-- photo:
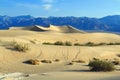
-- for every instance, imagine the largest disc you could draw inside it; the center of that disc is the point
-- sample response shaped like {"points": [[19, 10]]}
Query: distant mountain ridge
{"points": [[108, 23]]}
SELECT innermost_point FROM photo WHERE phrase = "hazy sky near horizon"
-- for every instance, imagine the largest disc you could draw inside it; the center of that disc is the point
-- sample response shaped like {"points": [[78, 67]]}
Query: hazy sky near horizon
{"points": [[45, 8]]}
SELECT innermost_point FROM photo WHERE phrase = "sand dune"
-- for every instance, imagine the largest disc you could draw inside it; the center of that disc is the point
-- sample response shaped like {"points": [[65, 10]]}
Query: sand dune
{"points": [[64, 29], [13, 61]]}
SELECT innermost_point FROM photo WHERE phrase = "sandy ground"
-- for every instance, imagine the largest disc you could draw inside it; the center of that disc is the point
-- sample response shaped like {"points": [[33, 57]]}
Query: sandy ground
{"points": [[12, 66]]}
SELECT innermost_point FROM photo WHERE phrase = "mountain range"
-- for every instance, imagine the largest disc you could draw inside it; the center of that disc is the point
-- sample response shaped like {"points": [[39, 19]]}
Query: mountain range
{"points": [[108, 23]]}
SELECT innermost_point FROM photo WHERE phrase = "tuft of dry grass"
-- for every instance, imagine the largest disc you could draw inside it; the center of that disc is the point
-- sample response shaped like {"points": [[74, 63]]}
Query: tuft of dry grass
{"points": [[67, 43], [79, 61], [20, 47], [33, 41], [47, 43], [46, 61], [33, 62], [57, 60], [78, 44], [58, 43], [70, 63], [101, 65]]}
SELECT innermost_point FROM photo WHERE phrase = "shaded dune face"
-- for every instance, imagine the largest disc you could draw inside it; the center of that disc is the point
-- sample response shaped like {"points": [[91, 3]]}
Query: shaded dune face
{"points": [[63, 29]]}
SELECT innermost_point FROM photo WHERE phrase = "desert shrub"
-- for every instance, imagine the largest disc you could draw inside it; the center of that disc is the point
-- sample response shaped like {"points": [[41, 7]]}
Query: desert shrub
{"points": [[33, 62], [78, 44], [111, 44], [79, 61], [117, 43], [46, 61], [90, 44], [100, 65], [101, 44], [67, 43], [21, 47], [58, 43], [57, 60], [70, 63], [47, 43], [32, 41]]}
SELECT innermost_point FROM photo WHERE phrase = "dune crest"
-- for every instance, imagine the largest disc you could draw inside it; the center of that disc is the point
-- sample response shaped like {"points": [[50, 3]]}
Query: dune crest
{"points": [[63, 29]]}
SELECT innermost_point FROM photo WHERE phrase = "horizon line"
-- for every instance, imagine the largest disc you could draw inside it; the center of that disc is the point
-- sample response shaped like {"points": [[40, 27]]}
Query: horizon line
{"points": [[58, 16]]}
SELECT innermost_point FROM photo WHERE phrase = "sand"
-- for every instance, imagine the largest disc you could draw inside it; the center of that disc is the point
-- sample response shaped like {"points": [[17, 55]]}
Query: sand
{"points": [[13, 66]]}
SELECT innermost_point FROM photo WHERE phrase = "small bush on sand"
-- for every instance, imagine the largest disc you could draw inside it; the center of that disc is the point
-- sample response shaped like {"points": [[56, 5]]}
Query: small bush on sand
{"points": [[102, 44], [78, 44], [21, 47], [58, 43], [100, 65], [67, 43], [79, 61], [33, 62], [32, 41], [46, 61], [117, 43], [90, 44], [111, 44], [57, 60], [70, 63], [47, 43]]}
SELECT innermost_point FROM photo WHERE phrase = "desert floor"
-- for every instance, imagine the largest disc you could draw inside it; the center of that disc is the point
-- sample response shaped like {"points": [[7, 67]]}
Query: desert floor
{"points": [[13, 66]]}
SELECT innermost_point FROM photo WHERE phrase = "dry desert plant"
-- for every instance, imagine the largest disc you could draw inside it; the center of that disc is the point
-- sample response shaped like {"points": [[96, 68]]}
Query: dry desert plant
{"points": [[67, 43], [33, 62], [58, 43], [57, 60], [21, 47], [78, 44], [33, 41], [79, 61], [47, 43], [46, 61], [101, 65]]}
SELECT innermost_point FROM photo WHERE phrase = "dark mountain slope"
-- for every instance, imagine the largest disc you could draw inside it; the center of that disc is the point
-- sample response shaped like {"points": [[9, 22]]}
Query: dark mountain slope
{"points": [[108, 23]]}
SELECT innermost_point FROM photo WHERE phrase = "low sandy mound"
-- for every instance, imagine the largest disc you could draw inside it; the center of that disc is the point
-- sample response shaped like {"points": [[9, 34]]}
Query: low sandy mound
{"points": [[20, 28], [63, 29], [52, 36]]}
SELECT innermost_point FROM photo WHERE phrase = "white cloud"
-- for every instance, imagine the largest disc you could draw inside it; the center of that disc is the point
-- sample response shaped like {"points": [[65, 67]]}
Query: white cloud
{"points": [[47, 6], [50, 4]]}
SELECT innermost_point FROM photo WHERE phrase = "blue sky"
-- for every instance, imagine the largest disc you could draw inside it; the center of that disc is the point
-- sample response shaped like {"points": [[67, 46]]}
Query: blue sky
{"points": [[45, 8]]}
